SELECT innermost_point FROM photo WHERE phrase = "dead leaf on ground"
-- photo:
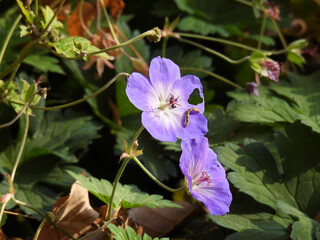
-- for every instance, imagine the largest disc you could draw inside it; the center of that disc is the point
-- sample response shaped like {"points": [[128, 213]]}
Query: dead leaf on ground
{"points": [[2, 236], [158, 222], [73, 213]]}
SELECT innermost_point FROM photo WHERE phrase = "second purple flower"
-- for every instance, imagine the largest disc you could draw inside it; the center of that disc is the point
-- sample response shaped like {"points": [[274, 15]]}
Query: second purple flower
{"points": [[164, 101]]}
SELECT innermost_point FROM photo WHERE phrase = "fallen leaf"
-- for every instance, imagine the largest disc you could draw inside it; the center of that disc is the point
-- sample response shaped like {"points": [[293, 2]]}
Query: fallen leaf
{"points": [[116, 8], [158, 222], [72, 213], [2, 236]]}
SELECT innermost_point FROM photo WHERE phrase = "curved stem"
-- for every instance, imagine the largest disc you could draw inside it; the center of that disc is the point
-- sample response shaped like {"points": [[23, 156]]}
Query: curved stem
{"points": [[103, 88], [154, 178], [23, 142], [209, 50], [120, 172], [219, 40], [223, 79], [3, 206], [105, 13], [83, 25], [26, 104], [36, 235], [6, 41]]}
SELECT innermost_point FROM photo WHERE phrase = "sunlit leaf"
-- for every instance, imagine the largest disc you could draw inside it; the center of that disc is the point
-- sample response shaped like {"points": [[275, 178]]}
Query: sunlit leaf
{"points": [[126, 196]]}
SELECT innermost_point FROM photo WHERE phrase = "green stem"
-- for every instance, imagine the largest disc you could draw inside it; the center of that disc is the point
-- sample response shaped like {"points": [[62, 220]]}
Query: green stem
{"points": [[120, 172], [219, 40], [209, 50], [36, 235], [282, 39], [263, 26], [103, 88], [114, 187], [20, 113], [23, 142], [154, 178], [23, 54], [104, 10], [164, 46], [7, 40], [3, 206], [223, 79]]}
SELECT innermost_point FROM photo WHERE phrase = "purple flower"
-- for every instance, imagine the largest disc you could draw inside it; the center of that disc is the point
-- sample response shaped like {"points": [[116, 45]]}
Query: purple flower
{"points": [[206, 177], [164, 101], [270, 69]]}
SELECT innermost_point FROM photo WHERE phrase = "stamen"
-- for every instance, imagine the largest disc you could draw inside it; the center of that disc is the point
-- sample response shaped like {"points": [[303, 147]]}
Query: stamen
{"points": [[205, 178], [173, 102]]}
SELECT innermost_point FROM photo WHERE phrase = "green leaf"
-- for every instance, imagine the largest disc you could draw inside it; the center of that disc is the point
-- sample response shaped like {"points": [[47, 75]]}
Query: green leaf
{"points": [[77, 46], [306, 228], [43, 62], [196, 25], [129, 234], [126, 196], [265, 108], [303, 92], [251, 226], [48, 15], [296, 58], [3, 220], [27, 15], [254, 169]]}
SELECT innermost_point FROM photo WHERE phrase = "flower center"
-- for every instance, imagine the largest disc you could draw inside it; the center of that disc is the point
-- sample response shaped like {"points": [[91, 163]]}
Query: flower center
{"points": [[171, 102], [203, 178]]}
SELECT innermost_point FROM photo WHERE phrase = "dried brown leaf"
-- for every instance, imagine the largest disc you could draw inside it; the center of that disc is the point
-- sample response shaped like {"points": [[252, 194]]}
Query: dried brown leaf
{"points": [[75, 28], [73, 213]]}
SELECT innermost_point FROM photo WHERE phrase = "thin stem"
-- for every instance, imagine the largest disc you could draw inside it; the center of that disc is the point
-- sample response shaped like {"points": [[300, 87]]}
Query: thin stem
{"points": [[214, 39], [223, 79], [24, 52], [247, 3], [154, 178], [105, 13], [13, 74], [23, 142], [282, 39], [114, 187], [83, 25], [36, 235], [103, 88], [20, 113], [54, 16], [263, 26], [3, 206], [7, 40], [164, 46], [98, 19], [120, 172], [209, 50]]}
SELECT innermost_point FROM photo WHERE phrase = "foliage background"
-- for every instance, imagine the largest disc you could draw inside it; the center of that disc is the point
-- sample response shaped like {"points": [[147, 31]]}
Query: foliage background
{"points": [[268, 143]]}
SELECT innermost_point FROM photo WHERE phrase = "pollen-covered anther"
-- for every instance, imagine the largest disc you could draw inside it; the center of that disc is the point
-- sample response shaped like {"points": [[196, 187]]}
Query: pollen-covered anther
{"points": [[173, 102]]}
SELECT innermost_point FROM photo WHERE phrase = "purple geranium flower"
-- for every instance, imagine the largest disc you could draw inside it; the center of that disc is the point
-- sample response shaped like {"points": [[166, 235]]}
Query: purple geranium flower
{"points": [[164, 101], [206, 177]]}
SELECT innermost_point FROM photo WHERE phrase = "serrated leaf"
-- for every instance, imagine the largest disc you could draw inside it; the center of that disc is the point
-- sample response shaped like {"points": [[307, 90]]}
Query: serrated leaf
{"points": [[254, 169], [196, 25], [27, 15], [251, 226], [126, 196], [48, 15], [69, 47], [43, 62], [129, 234], [265, 108], [304, 93]]}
